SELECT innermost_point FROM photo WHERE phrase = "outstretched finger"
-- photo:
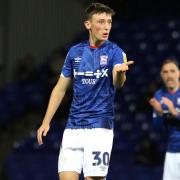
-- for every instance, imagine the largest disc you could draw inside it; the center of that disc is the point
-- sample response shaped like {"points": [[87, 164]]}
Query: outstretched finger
{"points": [[129, 62]]}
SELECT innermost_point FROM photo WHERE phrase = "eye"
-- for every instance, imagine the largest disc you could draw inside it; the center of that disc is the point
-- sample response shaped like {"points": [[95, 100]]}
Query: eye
{"points": [[101, 21], [164, 72], [110, 22]]}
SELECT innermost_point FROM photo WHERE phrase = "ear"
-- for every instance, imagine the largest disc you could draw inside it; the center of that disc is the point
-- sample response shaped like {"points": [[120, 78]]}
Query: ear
{"points": [[87, 25]]}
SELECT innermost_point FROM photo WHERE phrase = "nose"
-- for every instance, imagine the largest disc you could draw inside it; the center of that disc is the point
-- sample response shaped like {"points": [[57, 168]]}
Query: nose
{"points": [[169, 75], [107, 26]]}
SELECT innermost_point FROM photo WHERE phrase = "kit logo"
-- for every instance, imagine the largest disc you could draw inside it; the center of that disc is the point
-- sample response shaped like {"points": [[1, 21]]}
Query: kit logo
{"points": [[77, 59]]}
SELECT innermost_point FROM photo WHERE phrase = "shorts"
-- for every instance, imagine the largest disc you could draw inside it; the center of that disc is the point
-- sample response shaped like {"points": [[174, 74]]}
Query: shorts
{"points": [[86, 149], [171, 166]]}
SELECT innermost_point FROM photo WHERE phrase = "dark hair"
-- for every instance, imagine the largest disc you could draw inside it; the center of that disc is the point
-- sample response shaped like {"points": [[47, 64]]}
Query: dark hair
{"points": [[170, 60], [97, 8]]}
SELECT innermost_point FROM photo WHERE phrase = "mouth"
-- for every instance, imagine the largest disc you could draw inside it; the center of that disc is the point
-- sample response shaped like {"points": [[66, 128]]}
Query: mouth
{"points": [[105, 34]]}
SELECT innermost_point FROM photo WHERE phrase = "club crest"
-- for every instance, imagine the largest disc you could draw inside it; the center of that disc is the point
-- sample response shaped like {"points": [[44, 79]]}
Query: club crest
{"points": [[103, 60]]}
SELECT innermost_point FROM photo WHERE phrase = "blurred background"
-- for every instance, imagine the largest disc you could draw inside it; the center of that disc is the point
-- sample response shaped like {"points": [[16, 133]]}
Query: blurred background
{"points": [[35, 36]]}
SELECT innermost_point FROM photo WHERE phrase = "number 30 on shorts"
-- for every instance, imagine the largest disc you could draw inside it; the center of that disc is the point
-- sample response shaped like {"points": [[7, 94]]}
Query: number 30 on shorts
{"points": [[100, 158]]}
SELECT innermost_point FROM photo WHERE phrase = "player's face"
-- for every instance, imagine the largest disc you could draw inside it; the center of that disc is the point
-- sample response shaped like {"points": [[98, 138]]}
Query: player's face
{"points": [[99, 26], [170, 75]]}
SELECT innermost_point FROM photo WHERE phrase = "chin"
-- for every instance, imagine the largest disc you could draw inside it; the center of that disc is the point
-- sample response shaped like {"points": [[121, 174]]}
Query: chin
{"points": [[104, 39]]}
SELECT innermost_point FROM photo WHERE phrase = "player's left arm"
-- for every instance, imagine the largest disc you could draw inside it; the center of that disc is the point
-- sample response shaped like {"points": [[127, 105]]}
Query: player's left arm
{"points": [[119, 73], [156, 106], [171, 107]]}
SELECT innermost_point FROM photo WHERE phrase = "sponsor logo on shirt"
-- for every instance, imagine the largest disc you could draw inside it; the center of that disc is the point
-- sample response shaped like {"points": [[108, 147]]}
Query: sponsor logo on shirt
{"points": [[91, 76], [88, 81], [97, 74]]}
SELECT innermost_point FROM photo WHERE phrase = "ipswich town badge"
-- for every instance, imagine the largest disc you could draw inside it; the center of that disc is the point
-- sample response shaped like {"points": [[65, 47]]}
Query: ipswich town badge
{"points": [[103, 60]]}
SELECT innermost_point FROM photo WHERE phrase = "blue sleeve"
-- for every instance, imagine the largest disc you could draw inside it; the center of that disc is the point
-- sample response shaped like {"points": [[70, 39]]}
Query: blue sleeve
{"points": [[67, 67], [119, 57], [158, 97], [157, 121]]}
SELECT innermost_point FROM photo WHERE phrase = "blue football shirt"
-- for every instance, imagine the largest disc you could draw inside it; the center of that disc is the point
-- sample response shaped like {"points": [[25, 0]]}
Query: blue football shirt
{"points": [[93, 90], [171, 124]]}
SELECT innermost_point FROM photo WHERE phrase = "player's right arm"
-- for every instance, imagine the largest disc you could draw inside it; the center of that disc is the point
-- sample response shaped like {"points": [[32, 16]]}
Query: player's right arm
{"points": [[157, 118], [120, 67], [56, 98]]}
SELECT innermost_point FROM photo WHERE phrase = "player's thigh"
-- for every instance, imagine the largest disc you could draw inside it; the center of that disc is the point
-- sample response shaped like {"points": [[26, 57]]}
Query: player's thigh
{"points": [[97, 152], [71, 152], [68, 175]]}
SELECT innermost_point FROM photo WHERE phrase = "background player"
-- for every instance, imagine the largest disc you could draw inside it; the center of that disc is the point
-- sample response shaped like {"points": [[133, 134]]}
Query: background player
{"points": [[97, 67], [166, 104]]}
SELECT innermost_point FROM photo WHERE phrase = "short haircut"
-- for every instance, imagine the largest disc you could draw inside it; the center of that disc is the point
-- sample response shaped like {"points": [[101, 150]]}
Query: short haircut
{"points": [[97, 8], [170, 60]]}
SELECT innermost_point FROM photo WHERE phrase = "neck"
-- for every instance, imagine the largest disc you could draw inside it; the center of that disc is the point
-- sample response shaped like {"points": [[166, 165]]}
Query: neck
{"points": [[95, 42]]}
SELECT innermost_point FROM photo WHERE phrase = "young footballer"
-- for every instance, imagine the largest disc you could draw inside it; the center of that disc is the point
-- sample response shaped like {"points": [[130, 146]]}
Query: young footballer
{"points": [[97, 67]]}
